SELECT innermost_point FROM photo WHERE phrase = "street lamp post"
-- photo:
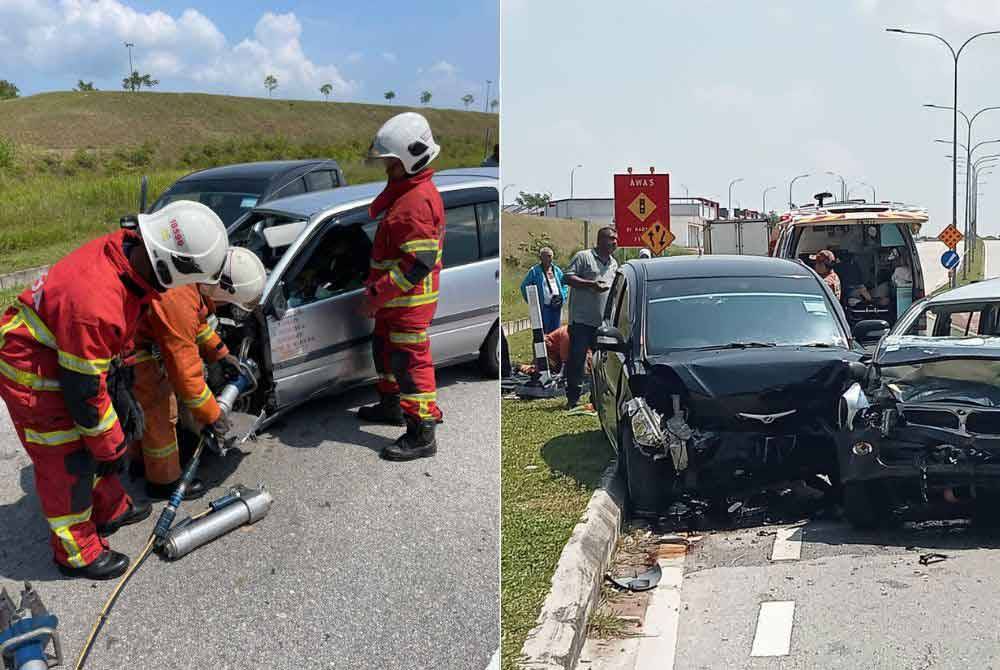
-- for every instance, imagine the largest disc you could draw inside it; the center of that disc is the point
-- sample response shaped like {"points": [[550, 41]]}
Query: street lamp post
{"points": [[763, 200], [571, 175], [954, 115], [843, 184], [129, 45], [862, 183], [486, 102], [503, 193], [731, 184], [686, 193], [791, 203], [969, 227]]}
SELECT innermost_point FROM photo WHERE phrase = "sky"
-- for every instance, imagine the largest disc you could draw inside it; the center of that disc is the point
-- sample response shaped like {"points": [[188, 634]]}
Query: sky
{"points": [[362, 49], [712, 91]]}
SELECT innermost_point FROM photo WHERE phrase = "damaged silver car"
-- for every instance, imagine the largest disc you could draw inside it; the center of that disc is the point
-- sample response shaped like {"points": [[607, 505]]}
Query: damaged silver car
{"points": [[921, 430], [716, 375]]}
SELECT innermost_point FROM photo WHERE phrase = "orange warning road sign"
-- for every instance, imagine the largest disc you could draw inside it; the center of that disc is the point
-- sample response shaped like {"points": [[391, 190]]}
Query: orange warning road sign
{"points": [[657, 237], [951, 236]]}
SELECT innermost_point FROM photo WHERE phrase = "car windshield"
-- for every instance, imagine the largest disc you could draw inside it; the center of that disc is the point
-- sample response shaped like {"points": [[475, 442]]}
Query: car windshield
{"points": [[719, 312], [229, 198]]}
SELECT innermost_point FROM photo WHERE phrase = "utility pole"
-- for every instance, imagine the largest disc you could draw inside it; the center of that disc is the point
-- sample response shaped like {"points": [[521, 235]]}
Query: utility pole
{"points": [[763, 200], [731, 184], [486, 102], [129, 45]]}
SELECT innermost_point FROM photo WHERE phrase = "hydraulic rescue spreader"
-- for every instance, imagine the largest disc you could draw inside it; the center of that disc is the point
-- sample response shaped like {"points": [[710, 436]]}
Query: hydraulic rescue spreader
{"points": [[26, 632]]}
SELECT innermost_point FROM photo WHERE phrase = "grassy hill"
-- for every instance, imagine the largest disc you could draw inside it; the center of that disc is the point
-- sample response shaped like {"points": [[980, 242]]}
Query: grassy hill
{"points": [[70, 162]]}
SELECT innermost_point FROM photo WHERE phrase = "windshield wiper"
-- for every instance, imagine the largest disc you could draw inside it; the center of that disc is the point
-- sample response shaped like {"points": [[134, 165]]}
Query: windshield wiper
{"points": [[824, 345], [740, 345]]}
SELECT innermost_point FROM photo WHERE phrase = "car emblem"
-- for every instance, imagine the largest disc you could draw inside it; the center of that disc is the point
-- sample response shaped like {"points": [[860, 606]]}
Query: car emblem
{"points": [[767, 418]]}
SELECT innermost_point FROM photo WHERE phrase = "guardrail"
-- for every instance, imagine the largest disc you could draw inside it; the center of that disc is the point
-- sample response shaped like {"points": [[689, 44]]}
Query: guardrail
{"points": [[21, 277], [511, 327]]}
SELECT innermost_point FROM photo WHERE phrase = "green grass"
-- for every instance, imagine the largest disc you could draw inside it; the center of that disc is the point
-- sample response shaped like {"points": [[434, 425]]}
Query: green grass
{"points": [[8, 296], [551, 463]]}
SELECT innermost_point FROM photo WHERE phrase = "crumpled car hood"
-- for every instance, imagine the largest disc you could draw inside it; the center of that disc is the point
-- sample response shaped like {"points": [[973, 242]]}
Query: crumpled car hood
{"points": [[719, 385]]}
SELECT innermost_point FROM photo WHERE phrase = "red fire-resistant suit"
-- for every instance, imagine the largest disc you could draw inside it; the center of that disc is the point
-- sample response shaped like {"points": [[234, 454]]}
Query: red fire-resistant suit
{"points": [[56, 345], [178, 325], [403, 286]]}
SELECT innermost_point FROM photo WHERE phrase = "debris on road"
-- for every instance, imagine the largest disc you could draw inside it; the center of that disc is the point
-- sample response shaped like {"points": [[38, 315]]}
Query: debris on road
{"points": [[641, 582], [931, 558]]}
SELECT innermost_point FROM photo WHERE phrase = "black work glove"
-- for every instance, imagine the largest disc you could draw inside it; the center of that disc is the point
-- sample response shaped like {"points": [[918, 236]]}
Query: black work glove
{"points": [[105, 468]]}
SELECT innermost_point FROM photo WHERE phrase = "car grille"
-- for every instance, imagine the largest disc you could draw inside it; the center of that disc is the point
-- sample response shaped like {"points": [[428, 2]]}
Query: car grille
{"points": [[968, 422]]}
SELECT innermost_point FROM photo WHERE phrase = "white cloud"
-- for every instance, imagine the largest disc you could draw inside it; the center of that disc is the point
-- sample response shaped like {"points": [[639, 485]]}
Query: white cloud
{"points": [[355, 57], [389, 57], [85, 39], [445, 68]]}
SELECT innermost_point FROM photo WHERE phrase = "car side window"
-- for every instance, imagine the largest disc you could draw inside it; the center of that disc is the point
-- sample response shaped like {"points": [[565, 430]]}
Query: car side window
{"points": [[488, 214], [623, 319], [336, 262], [614, 296], [296, 187], [320, 180], [461, 236]]}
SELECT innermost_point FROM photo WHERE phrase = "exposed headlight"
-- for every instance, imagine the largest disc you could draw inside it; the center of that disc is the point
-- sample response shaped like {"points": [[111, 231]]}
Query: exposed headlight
{"points": [[862, 449], [646, 423]]}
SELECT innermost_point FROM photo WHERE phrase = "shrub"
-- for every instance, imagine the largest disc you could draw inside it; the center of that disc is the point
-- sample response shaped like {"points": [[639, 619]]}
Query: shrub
{"points": [[8, 152]]}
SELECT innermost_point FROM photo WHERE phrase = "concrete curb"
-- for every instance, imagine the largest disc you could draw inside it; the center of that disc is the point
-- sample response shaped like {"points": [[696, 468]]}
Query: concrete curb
{"points": [[21, 277], [557, 639]]}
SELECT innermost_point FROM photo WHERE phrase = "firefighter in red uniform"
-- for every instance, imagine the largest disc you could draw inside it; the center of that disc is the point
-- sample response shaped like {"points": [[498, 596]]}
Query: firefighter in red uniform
{"points": [[57, 344], [402, 287]]}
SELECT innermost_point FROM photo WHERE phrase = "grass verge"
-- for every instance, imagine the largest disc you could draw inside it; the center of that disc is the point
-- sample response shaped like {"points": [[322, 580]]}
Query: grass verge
{"points": [[8, 296], [550, 465]]}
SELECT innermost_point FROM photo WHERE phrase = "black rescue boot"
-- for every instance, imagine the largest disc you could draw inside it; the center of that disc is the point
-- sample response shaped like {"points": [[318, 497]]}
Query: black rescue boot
{"points": [[109, 565], [134, 514], [195, 490], [417, 442], [386, 410]]}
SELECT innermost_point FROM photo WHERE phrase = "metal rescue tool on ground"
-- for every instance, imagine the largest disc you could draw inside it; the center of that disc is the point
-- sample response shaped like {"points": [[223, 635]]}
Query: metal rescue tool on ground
{"points": [[26, 632], [642, 210], [541, 384]]}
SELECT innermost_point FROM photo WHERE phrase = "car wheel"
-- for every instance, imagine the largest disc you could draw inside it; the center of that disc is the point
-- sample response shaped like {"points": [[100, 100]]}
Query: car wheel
{"points": [[866, 505], [489, 354], [649, 483]]}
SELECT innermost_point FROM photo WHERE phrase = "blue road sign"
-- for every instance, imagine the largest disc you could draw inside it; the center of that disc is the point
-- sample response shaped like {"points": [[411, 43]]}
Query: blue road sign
{"points": [[950, 259]]}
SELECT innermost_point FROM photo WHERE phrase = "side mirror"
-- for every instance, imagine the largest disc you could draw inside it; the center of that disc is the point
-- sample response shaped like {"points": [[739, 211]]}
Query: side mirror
{"points": [[870, 330], [609, 338], [857, 371], [279, 303]]}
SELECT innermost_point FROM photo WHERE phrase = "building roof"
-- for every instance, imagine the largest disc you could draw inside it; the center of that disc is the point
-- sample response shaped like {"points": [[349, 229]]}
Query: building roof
{"points": [[719, 265]]}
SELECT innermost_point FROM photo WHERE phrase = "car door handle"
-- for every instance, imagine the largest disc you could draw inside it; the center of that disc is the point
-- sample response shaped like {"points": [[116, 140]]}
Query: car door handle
{"points": [[497, 276]]}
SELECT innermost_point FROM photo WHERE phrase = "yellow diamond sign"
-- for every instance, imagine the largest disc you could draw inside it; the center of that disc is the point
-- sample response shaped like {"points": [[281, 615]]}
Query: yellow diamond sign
{"points": [[657, 237], [642, 206]]}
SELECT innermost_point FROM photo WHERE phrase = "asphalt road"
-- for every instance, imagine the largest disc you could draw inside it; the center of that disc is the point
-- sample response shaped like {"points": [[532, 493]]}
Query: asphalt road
{"points": [[991, 268], [930, 253], [361, 563]]}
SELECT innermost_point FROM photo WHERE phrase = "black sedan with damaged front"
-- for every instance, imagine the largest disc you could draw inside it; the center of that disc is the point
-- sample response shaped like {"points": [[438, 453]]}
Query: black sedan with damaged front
{"points": [[922, 428], [716, 375]]}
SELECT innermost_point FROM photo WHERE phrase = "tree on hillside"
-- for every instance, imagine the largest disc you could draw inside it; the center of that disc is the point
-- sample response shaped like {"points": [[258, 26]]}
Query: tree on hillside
{"points": [[270, 83], [533, 200], [425, 97], [494, 103], [82, 85], [8, 90], [468, 99], [326, 89], [389, 95], [136, 81]]}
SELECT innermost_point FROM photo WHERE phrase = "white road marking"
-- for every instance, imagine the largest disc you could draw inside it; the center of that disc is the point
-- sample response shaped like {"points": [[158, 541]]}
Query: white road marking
{"points": [[495, 661], [658, 646], [787, 544], [774, 629]]}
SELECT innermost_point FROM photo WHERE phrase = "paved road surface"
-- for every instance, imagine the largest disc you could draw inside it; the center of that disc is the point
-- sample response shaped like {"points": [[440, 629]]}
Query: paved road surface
{"points": [[360, 564], [930, 253]]}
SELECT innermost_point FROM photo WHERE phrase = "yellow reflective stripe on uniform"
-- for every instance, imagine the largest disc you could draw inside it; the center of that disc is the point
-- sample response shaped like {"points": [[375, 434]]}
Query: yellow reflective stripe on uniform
{"points": [[53, 438], [61, 525], [159, 452], [85, 366], [204, 335], [383, 265], [429, 244], [29, 379], [37, 327], [201, 399], [408, 338], [14, 322], [399, 280], [107, 421], [417, 397], [413, 300]]}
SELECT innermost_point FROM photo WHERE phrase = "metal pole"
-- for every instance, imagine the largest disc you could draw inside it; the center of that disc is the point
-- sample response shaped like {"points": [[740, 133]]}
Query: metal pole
{"points": [[763, 200], [731, 184], [486, 103], [791, 204], [504, 193], [129, 45], [571, 175]]}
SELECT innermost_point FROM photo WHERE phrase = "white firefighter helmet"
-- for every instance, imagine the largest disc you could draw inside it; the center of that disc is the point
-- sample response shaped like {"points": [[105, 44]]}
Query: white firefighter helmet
{"points": [[645, 253], [408, 137], [186, 242], [242, 281]]}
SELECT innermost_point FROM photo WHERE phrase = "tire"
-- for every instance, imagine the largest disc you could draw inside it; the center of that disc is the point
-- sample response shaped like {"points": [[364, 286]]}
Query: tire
{"points": [[489, 354], [866, 505], [649, 483]]}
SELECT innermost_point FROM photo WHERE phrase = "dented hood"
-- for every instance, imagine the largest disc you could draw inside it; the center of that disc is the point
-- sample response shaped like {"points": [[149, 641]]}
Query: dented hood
{"points": [[719, 385]]}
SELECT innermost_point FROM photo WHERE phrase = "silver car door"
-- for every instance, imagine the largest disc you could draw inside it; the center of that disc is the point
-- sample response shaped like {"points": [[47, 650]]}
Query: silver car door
{"points": [[321, 343]]}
